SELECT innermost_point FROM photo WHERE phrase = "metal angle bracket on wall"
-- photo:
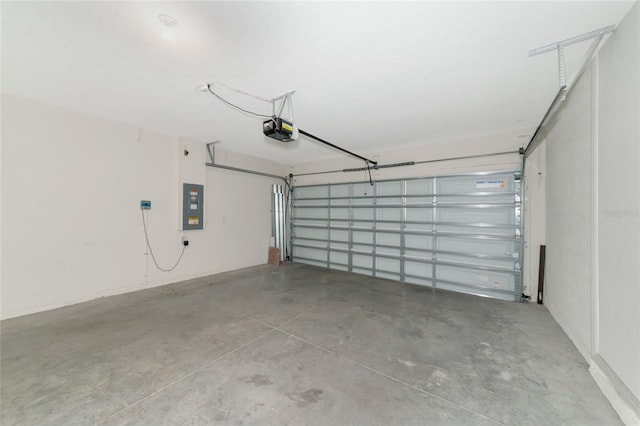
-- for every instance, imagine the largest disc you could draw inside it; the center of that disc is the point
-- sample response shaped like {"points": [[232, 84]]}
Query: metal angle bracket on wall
{"points": [[211, 151], [560, 46]]}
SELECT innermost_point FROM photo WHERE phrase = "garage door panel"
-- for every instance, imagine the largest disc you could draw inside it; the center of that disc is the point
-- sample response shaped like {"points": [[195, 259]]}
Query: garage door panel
{"points": [[363, 214], [311, 233], [303, 192], [480, 197], [387, 265], [339, 235], [489, 262], [477, 246], [312, 213], [389, 188], [507, 231], [339, 257], [478, 278], [419, 214], [461, 233], [418, 242], [389, 213], [388, 239], [363, 237], [362, 271], [340, 190], [418, 269], [497, 216], [387, 275], [465, 184], [337, 245], [470, 289], [340, 267], [362, 261], [362, 248], [418, 281], [312, 253], [419, 186], [340, 213]]}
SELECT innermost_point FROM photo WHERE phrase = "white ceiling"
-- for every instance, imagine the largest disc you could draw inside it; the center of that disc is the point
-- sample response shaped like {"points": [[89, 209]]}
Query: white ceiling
{"points": [[366, 75]]}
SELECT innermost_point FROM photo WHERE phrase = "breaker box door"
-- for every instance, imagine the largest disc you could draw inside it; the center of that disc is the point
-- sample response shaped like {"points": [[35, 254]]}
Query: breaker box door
{"points": [[192, 206]]}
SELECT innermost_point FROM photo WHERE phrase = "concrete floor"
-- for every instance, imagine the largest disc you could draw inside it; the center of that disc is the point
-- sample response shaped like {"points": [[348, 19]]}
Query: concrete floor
{"points": [[295, 345]]}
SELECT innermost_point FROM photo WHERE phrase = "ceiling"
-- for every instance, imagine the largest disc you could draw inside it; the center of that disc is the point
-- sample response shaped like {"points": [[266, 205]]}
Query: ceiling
{"points": [[367, 76]]}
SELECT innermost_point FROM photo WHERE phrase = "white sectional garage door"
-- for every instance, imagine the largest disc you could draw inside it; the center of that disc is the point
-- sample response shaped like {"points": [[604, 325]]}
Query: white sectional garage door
{"points": [[458, 232]]}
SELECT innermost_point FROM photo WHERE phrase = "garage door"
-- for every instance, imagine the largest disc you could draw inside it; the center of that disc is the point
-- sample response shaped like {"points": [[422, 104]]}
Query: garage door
{"points": [[457, 232]]}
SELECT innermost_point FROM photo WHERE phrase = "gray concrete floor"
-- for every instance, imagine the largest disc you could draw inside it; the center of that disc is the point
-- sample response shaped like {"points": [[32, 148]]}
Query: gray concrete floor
{"points": [[295, 345]]}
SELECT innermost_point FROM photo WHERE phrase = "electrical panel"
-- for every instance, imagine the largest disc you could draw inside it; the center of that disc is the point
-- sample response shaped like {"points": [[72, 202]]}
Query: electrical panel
{"points": [[192, 206]]}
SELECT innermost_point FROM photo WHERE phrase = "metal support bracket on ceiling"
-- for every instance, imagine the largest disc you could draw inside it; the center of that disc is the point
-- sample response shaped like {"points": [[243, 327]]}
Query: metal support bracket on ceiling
{"points": [[284, 100], [565, 86], [560, 46]]}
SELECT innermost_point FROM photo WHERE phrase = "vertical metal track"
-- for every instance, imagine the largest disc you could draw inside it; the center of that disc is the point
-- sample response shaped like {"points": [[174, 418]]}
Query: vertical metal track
{"points": [[403, 225], [434, 228], [329, 201], [289, 218], [350, 239], [519, 220], [375, 227], [278, 219]]}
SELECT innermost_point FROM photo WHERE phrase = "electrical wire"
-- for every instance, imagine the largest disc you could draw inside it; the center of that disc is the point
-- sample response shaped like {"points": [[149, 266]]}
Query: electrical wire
{"points": [[235, 106], [146, 236]]}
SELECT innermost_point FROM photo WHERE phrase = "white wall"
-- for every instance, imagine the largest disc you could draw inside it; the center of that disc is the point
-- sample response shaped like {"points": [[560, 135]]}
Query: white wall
{"points": [[617, 338], [567, 292], [593, 217], [71, 223]]}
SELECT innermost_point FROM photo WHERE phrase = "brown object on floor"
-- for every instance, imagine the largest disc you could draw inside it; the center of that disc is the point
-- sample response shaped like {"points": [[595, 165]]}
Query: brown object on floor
{"points": [[274, 256], [543, 255]]}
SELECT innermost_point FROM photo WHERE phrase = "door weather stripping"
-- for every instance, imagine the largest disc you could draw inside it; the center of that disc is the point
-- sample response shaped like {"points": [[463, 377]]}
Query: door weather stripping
{"points": [[212, 163]]}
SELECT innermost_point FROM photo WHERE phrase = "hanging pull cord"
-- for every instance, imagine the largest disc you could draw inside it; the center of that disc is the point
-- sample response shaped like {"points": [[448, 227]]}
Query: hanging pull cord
{"points": [[369, 170]]}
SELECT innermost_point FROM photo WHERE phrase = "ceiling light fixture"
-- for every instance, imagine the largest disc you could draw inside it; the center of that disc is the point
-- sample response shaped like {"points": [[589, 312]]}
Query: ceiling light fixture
{"points": [[169, 25]]}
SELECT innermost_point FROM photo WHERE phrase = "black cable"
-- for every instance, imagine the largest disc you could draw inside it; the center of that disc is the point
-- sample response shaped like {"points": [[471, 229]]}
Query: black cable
{"points": [[302, 132], [146, 236], [235, 106], [369, 170]]}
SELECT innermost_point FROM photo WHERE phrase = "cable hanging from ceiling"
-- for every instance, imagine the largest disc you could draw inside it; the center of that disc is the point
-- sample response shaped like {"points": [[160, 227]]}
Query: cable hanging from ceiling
{"points": [[232, 105], [278, 128]]}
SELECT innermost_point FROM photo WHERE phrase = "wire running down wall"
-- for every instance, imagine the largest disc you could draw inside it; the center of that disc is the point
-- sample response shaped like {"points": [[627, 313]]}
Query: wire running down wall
{"points": [[458, 232]]}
